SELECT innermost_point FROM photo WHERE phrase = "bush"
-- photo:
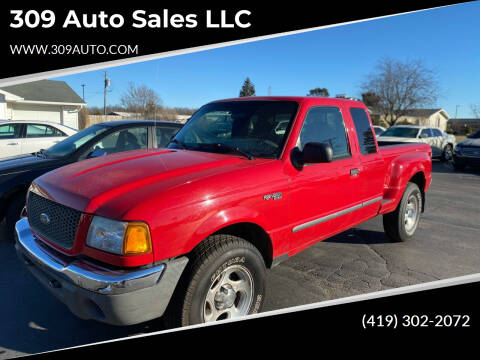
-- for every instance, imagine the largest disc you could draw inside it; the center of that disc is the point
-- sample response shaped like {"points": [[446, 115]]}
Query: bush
{"points": [[82, 118]]}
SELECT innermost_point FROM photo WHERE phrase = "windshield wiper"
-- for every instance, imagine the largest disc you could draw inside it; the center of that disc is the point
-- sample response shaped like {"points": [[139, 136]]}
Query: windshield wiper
{"points": [[248, 155], [178, 142]]}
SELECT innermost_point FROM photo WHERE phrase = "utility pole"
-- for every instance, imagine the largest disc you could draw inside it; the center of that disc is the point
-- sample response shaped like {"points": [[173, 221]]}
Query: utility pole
{"points": [[269, 90], [107, 84], [83, 91], [456, 110]]}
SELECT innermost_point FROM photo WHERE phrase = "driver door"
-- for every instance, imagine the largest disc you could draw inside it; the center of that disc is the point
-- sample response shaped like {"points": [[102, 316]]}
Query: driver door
{"points": [[324, 196], [426, 136]]}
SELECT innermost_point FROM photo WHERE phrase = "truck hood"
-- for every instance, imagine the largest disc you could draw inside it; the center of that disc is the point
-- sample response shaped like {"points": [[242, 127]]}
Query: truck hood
{"points": [[128, 178]]}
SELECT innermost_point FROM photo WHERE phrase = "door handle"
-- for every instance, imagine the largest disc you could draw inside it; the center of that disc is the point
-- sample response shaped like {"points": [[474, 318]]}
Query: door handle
{"points": [[354, 172], [12, 143]]}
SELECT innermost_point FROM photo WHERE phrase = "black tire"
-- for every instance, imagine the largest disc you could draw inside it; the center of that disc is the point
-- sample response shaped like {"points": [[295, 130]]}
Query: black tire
{"points": [[458, 166], [216, 255], [447, 154], [14, 212], [395, 223]]}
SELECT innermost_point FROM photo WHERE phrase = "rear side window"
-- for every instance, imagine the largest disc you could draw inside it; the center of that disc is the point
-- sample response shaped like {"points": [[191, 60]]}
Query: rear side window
{"points": [[10, 131], [365, 135], [437, 132], [324, 124], [38, 130]]}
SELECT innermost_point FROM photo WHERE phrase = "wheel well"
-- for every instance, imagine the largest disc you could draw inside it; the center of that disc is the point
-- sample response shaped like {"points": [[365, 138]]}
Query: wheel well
{"points": [[8, 197], [419, 179], [253, 234]]}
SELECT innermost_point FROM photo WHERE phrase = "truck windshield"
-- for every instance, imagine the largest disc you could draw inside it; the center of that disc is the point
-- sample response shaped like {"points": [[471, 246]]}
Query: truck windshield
{"points": [[72, 143], [254, 128], [401, 132]]}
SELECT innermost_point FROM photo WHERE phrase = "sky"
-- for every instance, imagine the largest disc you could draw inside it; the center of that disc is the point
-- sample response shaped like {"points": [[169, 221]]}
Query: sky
{"points": [[447, 40]]}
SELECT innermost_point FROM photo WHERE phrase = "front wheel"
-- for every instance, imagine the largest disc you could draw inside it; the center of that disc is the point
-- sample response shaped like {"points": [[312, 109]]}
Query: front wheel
{"points": [[226, 280], [447, 154], [401, 224]]}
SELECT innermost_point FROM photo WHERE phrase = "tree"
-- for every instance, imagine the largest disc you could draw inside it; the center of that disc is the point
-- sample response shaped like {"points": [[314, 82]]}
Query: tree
{"points": [[83, 118], [318, 92], [370, 99], [476, 111], [400, 86], [141, 99], [248, 89], [449, 129], [468, 129]]}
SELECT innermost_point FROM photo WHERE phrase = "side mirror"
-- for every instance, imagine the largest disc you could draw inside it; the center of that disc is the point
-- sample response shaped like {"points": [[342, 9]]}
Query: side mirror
{"points": [[97, 153], [313, 152]]}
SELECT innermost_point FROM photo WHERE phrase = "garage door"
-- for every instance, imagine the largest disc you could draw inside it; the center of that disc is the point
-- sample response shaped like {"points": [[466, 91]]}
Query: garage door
{"points": [[36, 112]]}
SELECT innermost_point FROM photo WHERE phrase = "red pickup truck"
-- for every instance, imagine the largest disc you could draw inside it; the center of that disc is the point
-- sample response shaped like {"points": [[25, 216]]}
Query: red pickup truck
{"points": [[188, 231]]}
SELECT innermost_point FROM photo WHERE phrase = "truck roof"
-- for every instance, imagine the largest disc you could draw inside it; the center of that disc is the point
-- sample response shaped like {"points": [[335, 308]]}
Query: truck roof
{"points": [[299, 99]]}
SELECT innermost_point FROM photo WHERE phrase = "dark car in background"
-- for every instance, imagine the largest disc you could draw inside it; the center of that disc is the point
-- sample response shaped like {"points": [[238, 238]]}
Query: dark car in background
{"points": [[467, 152], [16, 173]]}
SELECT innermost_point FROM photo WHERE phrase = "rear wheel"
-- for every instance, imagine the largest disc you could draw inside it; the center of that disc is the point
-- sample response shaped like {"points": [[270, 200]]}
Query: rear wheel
{"points": [[14, 213], [401, 224], [224, 280], [447, 154]]}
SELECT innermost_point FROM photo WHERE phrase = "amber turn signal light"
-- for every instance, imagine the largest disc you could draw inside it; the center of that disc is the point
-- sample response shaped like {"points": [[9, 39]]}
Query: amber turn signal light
{"points": [[137, 239]]}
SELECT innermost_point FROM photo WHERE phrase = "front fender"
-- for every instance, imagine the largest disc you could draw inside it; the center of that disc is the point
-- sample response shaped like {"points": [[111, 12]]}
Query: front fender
{"points": [[224, 218]]}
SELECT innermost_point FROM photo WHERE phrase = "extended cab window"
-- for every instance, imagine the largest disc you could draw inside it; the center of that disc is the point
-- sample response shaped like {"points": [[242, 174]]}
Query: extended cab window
{"points": [[365, 135], [325, 125]]}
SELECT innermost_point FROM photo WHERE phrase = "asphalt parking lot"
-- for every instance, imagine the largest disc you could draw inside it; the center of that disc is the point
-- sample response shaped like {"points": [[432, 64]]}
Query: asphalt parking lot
{"points": [[357, 261]]}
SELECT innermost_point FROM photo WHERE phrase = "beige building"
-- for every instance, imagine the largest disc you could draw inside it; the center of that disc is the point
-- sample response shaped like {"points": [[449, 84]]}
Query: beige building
{"points": [[426, 117], [45, 100]]}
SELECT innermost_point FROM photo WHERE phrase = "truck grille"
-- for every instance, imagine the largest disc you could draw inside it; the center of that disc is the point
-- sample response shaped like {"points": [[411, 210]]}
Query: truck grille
{"points": [[55, 222], [471, 151]]}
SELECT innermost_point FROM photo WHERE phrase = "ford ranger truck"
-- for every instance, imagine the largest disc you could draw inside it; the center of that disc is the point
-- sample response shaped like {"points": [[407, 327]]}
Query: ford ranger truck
{"points": [[187, 232]]}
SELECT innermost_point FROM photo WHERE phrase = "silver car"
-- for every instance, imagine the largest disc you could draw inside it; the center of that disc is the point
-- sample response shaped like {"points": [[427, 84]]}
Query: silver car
{"points": [[442, 143]]}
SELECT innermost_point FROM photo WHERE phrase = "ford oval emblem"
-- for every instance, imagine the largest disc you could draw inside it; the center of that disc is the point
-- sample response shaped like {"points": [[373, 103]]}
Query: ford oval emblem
{"points": [[44, 219]]}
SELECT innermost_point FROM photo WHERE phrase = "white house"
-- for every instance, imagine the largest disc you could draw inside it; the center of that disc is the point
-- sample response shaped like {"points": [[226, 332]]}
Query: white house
{"points": [[45, 100]]}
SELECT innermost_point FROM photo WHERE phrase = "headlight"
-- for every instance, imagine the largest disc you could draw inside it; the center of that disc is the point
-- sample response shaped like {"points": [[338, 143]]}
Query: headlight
{"points": [[119, 237], [458, 149]]}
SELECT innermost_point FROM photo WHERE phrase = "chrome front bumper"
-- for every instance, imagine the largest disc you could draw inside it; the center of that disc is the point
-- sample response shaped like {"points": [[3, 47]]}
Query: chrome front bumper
{"points": [[92, 291]]}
